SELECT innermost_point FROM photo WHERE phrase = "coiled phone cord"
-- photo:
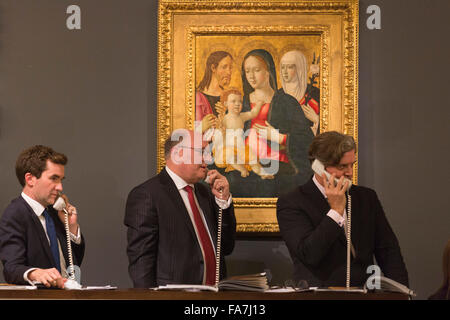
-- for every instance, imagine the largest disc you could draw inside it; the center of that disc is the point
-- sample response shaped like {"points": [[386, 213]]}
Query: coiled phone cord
{"points": [[349, 226], [70, 270], [219, 239]]}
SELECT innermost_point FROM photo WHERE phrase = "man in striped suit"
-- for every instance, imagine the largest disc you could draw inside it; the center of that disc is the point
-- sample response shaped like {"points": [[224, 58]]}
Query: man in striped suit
{"points": [[172, 219]]}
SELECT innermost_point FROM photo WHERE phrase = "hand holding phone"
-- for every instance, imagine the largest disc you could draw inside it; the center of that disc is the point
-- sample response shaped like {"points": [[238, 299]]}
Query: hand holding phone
{"points": [[219, 184], [334, 188], [63, 207], [319, 168]]}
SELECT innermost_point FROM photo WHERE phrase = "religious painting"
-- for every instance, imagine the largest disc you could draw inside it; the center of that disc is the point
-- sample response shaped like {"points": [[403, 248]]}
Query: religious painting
{"points": [[259, 80]]}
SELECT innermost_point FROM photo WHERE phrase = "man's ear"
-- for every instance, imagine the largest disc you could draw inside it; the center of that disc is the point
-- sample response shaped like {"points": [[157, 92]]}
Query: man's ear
{"points": [[213, 68], [176, 155], [30, 180]]}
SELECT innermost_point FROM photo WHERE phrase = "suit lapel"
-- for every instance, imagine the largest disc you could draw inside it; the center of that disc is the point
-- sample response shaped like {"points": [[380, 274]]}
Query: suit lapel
{"points": [[356, 219], [203, 201], [39, 231], [175, 197], [320, 204]]}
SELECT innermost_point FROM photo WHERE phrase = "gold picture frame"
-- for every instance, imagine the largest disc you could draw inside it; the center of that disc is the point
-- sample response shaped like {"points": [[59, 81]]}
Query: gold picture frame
{"points": [[190, 30]]}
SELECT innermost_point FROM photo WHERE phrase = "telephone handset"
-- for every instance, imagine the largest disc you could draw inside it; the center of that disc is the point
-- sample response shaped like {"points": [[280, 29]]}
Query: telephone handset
{"points": [[71, 283], [319, 168]]}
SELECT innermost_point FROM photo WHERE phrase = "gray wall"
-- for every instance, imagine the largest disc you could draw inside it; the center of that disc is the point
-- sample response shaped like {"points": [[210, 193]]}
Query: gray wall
{"points": [[92, 95]]}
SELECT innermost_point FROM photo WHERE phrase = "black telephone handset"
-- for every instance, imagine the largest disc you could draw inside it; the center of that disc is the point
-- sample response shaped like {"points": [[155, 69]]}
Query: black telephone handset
{"points": [[319, 168], [71, 283]]}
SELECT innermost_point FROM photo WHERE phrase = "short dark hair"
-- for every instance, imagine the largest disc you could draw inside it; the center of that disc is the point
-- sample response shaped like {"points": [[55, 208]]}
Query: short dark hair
{"points": [[34, 161], [329, 147]]}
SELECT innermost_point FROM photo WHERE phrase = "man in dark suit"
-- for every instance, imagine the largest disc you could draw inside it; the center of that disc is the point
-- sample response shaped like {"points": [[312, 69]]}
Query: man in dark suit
{"points": [[312, 220], [33, 245], [172, 219]]}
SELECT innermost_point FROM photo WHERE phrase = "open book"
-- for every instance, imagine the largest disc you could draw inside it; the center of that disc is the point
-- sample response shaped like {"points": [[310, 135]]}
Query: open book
{"points": [[252, 282], [387, 284]]}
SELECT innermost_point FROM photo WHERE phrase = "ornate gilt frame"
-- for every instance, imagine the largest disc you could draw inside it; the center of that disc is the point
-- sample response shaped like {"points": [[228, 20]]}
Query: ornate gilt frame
{"points": [[181, 22]]}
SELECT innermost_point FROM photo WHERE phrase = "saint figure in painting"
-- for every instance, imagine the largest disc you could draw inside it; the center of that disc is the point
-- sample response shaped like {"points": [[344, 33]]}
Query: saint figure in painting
{"points": [[217, 77], [293, 75]]}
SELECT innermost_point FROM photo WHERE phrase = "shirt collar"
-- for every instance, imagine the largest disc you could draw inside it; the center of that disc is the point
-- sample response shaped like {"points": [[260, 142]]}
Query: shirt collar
{"points": [[179, 182], [319, 186], [36, 206]]}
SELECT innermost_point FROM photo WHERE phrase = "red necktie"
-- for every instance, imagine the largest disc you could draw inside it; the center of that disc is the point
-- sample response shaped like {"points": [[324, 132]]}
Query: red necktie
{"points": [[205, 242]]}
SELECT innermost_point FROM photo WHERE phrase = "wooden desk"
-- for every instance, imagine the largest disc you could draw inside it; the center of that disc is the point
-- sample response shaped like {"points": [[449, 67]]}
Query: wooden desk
{"points": [[143, 294]]}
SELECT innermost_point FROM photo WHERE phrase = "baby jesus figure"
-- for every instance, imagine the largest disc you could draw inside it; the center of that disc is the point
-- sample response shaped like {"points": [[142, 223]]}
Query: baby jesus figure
{"points": [[234, 153]]}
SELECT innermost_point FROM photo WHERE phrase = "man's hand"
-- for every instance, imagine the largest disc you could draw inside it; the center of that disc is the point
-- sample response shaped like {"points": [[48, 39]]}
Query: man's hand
{"points": [[219, 185], [48, 277], [73, 221], [335, 193]]}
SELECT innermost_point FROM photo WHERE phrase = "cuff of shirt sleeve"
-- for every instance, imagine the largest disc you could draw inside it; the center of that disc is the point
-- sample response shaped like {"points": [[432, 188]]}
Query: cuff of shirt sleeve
{"points": [[25, 276], [224, 204], [333, 214], [76, 238]]}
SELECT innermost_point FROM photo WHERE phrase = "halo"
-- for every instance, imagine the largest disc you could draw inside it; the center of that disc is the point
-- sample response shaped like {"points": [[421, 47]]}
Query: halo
{"points": [[293, 47], [308, 52], [255, 44], [206, 52]]}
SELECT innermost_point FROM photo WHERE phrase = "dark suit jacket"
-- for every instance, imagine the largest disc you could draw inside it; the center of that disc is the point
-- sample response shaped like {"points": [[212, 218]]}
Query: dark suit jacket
{"points": [[318, 246], [162, 244], [24, 244]]}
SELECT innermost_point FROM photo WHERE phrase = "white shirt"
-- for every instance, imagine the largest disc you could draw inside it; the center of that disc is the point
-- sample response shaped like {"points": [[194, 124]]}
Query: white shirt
{"points": [[38, 209], [181, 184]]}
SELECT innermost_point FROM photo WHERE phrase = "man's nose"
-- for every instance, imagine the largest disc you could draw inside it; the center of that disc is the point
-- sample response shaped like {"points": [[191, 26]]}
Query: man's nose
{"points": [[59, 187], [348, 172]]}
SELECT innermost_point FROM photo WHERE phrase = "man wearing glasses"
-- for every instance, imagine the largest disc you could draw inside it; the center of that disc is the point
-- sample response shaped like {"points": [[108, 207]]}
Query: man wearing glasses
{"points": [[172, 218]]}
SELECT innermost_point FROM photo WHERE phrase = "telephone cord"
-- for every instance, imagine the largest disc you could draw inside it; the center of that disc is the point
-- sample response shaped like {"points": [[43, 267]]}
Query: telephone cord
{"points": [[70, 270], [219, 239], [349, 225]]}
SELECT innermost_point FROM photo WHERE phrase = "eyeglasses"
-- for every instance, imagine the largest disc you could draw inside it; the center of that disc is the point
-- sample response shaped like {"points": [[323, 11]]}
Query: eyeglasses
{"points": [[201, 155], [199, 150]]}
